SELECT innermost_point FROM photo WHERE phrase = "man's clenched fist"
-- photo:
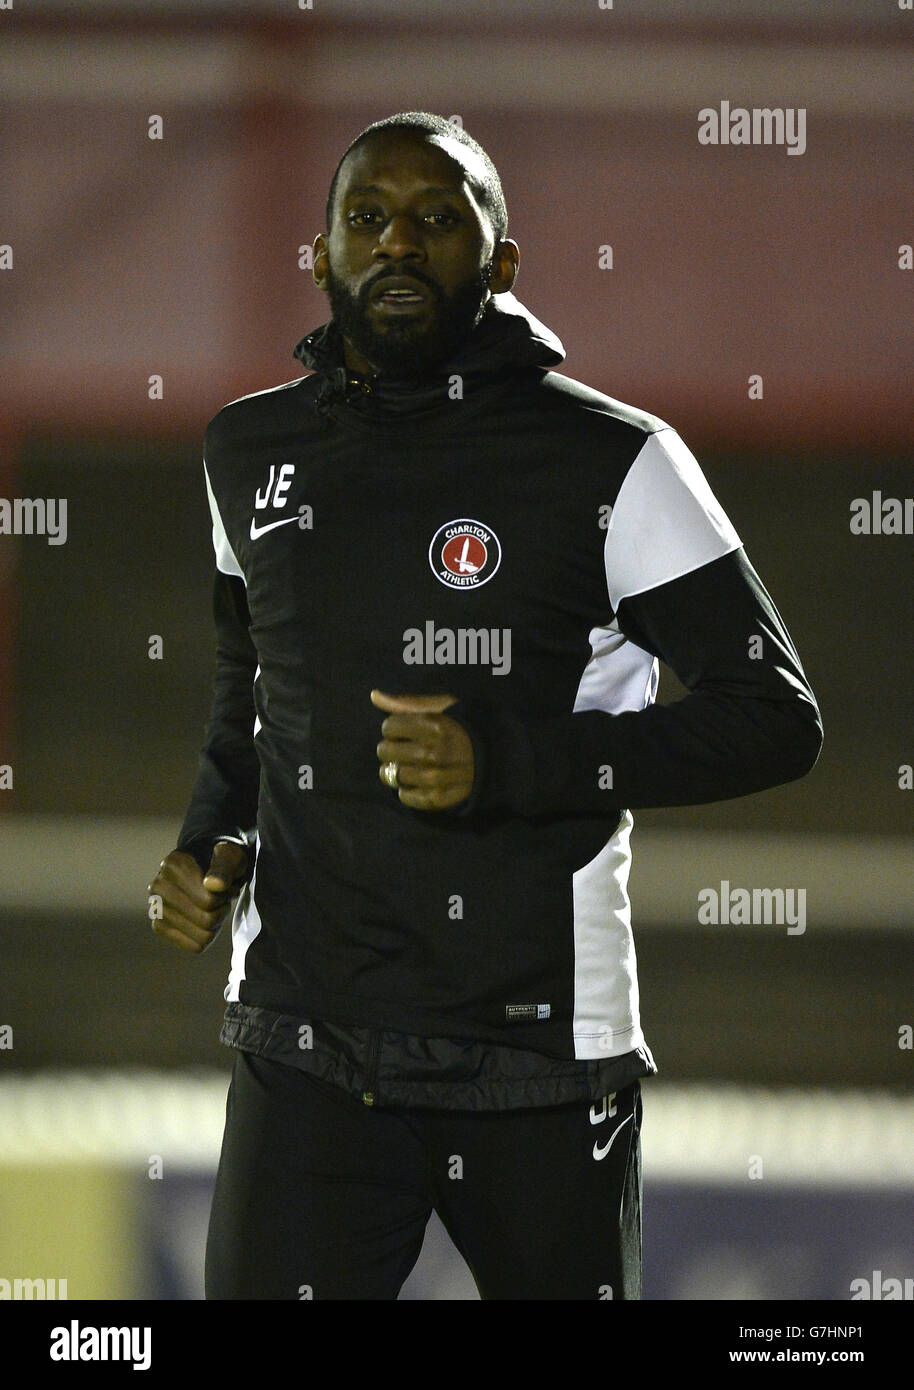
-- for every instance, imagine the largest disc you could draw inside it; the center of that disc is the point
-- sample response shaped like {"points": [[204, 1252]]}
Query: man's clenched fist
{"points": [[191, 905], [433, 754]]}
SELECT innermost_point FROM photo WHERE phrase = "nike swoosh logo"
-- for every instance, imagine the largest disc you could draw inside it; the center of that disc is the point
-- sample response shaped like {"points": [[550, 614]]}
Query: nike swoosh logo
{"points": [[262, 530], [599, 1152]]}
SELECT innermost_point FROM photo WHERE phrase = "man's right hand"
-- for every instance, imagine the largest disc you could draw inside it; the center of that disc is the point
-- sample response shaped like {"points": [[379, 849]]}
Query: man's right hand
{"points": [[194, 905]]}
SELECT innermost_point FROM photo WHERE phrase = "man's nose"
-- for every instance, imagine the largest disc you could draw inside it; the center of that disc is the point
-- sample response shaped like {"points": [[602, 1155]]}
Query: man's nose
{"points": [[402, 237]]}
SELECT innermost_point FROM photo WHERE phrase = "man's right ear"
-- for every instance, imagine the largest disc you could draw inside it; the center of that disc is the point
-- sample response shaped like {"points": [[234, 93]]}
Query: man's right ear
{"points": [[319, 262]]}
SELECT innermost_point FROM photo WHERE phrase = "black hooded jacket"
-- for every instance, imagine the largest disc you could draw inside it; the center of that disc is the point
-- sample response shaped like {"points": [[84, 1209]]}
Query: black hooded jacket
{"points": [[501, 533]]}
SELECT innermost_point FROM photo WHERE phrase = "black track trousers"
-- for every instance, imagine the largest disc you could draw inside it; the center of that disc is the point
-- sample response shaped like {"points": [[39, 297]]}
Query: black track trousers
{"points": [[319, 1196]]}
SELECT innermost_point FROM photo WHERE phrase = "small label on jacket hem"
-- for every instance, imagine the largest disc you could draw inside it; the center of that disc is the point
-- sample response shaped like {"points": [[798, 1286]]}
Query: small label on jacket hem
{"points": [[523, 1013]]}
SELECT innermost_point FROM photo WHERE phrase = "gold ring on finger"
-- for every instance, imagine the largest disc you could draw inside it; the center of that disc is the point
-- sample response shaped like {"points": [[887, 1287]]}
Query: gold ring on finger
{"points": [[389, 773]]}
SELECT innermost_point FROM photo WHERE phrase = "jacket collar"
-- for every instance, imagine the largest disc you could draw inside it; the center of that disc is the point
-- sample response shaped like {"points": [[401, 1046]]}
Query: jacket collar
{"points": [[507, 336]]}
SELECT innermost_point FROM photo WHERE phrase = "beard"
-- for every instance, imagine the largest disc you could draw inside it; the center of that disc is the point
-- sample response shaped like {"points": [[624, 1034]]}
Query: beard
{"points": [[405, 346]]}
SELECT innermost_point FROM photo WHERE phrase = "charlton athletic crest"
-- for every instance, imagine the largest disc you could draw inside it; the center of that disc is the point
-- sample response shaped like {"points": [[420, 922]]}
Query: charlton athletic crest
{"points": [[464, 553]]}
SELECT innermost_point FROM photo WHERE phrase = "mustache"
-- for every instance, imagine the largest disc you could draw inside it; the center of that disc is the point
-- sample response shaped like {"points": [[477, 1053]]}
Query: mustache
{"points": [[367, 290], [482, 278]]}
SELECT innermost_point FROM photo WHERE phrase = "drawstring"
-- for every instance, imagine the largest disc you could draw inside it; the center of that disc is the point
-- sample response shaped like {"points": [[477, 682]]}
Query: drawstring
{"points": [[332, 384], [337, 382]]}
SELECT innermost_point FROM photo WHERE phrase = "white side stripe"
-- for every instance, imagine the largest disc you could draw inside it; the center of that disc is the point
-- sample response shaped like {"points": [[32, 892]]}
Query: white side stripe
{"points": [[246, 925], [606, 1019], [226, 560]]}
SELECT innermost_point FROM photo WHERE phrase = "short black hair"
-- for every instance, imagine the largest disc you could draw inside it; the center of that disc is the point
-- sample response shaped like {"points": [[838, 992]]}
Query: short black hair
{"points": [[487, 189]]}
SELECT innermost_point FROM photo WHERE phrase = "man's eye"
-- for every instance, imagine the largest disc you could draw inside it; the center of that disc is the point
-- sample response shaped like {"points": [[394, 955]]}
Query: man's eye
{"points": [[354, 217]]}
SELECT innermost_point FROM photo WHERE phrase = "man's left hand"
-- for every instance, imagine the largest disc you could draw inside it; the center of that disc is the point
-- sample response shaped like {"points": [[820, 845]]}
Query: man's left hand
{"points": [[434, 754]]}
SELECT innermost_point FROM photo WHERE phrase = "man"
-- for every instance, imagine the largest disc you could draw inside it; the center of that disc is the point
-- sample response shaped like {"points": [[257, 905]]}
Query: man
{"points": [[433, 992]]}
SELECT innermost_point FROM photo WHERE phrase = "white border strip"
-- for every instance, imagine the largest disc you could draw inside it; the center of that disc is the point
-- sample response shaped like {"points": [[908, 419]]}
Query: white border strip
{"points": [[691, 1133]]}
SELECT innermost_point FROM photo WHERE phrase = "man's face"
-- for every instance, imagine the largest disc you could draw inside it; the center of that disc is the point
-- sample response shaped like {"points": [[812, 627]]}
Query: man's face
{"points": [[405, 216]]}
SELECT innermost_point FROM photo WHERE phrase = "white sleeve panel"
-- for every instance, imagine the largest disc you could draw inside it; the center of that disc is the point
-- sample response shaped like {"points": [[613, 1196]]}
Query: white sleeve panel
{"points": [[225, 555], [666, 521]]}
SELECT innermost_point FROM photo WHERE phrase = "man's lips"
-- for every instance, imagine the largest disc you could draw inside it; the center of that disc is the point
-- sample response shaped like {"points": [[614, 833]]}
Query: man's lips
{"points": [[411, 291]]}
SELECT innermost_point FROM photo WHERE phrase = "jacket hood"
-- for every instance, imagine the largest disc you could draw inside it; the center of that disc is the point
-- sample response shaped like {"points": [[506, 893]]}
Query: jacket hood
{"points": [[507, 337]]}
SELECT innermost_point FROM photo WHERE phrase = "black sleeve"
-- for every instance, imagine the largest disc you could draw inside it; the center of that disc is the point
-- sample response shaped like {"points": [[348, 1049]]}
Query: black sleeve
{"points": [[223, 803], [750, 720]]}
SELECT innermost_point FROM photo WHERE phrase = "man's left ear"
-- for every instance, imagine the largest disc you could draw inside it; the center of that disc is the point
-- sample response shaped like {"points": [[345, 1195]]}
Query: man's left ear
{"points": [[505, 259]]}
